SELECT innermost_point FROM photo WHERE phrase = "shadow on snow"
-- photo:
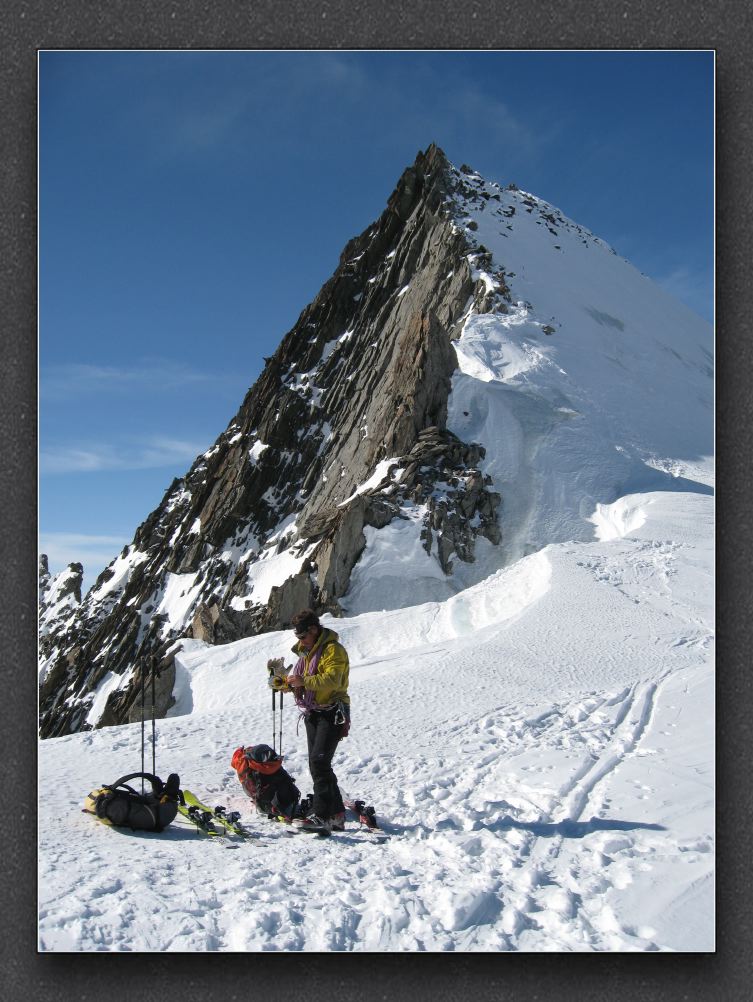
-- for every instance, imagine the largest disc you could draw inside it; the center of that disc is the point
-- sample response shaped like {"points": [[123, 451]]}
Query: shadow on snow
{"points": [[573, 829], [542, 829]]}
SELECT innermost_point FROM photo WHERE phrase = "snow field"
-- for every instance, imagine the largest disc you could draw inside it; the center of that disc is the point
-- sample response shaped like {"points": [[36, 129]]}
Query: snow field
{"points": [[546, 783]]}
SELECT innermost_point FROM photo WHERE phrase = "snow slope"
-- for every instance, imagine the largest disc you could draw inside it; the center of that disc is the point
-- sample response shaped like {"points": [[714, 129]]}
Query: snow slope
{"points": [[539, 748], [589, 384]]}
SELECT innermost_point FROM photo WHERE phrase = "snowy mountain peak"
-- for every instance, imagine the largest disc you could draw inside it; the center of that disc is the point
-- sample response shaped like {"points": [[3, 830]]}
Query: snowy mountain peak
{"points": [[478, 374]]}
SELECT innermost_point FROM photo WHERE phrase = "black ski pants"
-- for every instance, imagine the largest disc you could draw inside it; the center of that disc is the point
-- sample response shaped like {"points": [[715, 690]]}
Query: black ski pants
{"points": [[322, 735]]}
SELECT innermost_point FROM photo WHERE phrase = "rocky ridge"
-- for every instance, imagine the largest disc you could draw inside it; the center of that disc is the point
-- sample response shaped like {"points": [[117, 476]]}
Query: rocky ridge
{"points": [[345, 427], [59, 596]]}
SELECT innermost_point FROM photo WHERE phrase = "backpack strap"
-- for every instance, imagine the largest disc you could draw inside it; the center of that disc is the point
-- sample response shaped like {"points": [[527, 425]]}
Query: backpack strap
{"points": [[157, 784]]}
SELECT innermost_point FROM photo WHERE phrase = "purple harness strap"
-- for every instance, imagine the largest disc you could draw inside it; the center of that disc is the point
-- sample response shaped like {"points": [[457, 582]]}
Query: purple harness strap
{"points": [[306, 698]]}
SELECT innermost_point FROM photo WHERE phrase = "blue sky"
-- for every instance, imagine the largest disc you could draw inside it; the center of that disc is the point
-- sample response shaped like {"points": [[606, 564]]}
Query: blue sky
{"points": [[192, 203]]}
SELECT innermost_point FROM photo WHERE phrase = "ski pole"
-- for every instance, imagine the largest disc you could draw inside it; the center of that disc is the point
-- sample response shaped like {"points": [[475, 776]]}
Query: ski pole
{"points": [[154, 732], [274, 718], [281, 695], [143, 699]]}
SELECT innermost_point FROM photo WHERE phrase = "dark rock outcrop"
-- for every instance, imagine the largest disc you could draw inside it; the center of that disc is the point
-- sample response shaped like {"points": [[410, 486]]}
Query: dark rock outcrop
{"points": [[44, 577]]}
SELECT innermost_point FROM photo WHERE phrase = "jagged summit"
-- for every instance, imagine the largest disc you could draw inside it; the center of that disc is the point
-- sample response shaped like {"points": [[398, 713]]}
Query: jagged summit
{"points": [[59, 596], [473, 371]]}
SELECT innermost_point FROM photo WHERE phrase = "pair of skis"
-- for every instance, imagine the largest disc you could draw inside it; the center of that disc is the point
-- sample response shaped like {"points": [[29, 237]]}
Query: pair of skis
{"points": [[212, 821], [217, 822]]}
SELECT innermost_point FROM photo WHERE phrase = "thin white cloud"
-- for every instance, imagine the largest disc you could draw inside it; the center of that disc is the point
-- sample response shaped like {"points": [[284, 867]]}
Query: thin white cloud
{"points": [[429, 97], [691, 284], [476, 108], [94, 552], [339, 70], [284, 81], [203, 128], [690, 287], [59, 382], [155, 452], [453, 111]]}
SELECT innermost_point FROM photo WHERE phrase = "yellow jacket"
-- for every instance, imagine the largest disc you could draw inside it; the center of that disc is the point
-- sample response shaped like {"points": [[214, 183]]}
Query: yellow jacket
{"points": [[329, 683]]}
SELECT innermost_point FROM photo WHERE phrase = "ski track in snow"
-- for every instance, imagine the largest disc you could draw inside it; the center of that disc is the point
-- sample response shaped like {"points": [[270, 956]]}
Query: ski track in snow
{"points": [[544, 785]]}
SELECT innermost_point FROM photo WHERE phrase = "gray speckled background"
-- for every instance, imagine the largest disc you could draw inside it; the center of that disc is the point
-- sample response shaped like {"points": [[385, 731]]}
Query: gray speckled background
{"points": [[27, 26]]}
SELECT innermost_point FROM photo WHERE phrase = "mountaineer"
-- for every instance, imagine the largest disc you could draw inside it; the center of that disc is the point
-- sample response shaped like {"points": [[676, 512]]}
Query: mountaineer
{"points": [[319, 681]]}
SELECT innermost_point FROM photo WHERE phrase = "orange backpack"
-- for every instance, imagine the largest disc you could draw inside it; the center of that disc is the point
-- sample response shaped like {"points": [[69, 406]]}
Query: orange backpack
{"points": [[263, 778]]}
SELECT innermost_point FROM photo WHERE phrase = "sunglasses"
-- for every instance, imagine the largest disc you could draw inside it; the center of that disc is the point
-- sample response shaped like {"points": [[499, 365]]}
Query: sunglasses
{"points": [[304, 633]]}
